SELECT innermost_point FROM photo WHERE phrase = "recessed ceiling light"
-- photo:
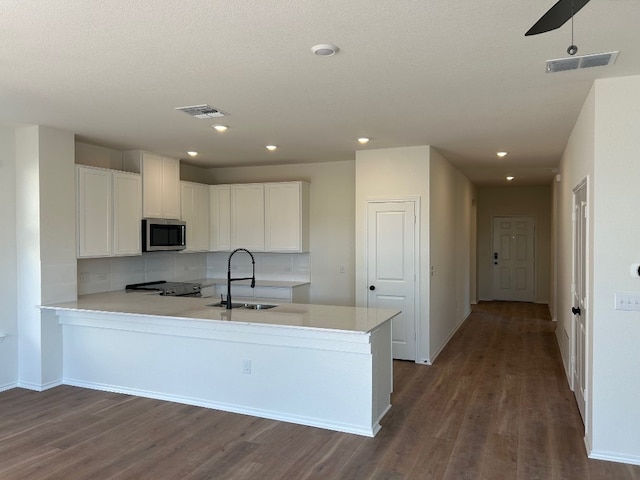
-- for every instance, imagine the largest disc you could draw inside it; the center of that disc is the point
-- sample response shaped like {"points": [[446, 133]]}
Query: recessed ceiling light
{"points": [[271, 148], [220, 128], [509, 178], [324, 50], [363, 140], [501, 154], [192, 153]]}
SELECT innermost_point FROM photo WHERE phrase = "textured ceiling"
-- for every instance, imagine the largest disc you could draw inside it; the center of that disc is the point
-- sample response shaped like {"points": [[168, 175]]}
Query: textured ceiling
{"points": [[457, 75]]}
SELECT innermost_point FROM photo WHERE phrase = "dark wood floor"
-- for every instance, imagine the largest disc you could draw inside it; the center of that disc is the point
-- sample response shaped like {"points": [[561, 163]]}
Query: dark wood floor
{"points": [[495, 405]]}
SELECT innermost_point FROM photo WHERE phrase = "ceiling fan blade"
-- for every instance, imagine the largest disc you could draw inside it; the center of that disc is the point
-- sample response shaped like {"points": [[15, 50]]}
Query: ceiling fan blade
{"points": [[556, 16]]}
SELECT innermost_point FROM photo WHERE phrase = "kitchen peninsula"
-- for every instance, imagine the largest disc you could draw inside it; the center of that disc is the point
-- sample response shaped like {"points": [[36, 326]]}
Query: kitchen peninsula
{"points": [[316, 365]]}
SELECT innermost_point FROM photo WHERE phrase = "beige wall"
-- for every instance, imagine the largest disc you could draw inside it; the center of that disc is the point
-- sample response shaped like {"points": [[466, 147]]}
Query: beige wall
{"points": [[616, 245], [603, 149], [451, 256], [94, 156], [515, 201], [395, 173], [445, 200], [331, 224]]}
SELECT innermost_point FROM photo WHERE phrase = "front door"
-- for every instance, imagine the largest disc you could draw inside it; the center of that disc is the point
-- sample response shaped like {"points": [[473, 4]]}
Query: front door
{"points": [[513, 259], [391, 269], [579, 296]]}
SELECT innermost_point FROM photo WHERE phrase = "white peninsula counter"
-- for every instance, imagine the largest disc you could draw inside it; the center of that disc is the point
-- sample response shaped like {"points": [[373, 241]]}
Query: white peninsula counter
{"points": [[316, 365]]}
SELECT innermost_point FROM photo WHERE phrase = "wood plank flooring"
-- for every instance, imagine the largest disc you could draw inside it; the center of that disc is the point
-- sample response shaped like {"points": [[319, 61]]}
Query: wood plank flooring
{"points": [[495, 405]]}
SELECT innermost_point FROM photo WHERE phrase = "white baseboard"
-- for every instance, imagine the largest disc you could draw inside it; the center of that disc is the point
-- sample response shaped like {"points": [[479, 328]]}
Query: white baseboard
{"points": [[198, 402], [39, 387], [614, 457], [8, 386], [444, 344]]}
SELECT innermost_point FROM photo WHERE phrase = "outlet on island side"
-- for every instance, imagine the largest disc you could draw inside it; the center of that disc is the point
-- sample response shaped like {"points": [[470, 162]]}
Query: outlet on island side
{"points": [[246, 366]]}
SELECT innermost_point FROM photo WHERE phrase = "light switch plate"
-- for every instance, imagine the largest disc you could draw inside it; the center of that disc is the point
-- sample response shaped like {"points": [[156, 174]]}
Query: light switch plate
{"points": [[627, 301]]}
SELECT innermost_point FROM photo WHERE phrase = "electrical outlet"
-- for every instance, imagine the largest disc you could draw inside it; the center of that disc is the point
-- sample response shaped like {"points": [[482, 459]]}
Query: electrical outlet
{"points": [[246, 366], [341, 269]]}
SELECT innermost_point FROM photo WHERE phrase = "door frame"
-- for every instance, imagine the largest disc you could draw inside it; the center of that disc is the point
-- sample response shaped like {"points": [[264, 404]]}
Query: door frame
{"points": [[587, 300], [416, 258], [535, 251]]}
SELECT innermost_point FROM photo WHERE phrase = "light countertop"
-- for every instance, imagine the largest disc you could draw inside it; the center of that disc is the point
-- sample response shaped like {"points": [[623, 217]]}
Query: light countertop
{"points": [[206, 282], [323, 317]]}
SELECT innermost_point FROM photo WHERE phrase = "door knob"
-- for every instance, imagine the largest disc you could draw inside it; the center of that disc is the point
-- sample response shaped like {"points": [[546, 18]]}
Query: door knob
{"points": [[372, 287], [576, 310]]}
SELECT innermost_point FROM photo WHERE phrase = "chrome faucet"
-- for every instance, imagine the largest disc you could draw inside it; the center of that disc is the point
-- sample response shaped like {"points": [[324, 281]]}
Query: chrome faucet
{"points": [[229, 279]]}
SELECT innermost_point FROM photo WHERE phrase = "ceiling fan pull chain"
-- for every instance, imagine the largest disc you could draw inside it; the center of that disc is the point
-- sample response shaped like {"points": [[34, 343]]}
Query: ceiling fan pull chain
{"points": [[573, 49]]}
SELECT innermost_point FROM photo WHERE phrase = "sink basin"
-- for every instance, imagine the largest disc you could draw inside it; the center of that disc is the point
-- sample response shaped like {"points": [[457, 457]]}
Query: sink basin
{"points": [[248, 306], [258, 306]]}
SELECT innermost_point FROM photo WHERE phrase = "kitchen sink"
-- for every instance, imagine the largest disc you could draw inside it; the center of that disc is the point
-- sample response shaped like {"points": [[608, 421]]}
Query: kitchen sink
{"points": [[248, 306], [258, 306]]}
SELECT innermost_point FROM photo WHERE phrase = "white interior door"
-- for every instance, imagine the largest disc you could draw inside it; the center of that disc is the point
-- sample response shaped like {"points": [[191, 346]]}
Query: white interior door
{"points": [[514, 259], [579, 296], [391, 269]]}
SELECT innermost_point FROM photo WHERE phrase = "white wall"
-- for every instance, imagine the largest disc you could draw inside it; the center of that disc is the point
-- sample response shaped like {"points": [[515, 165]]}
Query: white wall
{"points": [[109, 274], [514, 200], [451, 199], [332, 216], [604, 146], [576, 166], [46, 248], [8, 262]]}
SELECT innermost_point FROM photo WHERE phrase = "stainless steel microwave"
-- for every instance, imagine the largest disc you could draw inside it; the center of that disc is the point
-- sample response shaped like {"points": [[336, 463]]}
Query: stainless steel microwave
{"points": [[161, 234]]}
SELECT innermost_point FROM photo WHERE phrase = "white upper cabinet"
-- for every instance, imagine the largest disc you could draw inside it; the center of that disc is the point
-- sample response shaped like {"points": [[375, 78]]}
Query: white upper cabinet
{"points": [[109, 212], [220, 218], [286, 217], [247, 216], [95, 234], [261, 217], [195, 212], [127, 213], [160, 183]]}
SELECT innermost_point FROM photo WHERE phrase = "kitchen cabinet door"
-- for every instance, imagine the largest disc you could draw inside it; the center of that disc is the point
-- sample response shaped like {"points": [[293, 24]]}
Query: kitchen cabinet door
{"points": [[220, 218], [195, 211], [109, 212], [127, 213], [160, 183], [94, 200], [247, 216], [152, 179], [170, 188], [286, 217]]}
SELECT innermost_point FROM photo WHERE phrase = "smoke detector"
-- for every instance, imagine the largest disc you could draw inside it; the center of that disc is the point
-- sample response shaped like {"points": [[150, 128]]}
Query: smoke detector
{"points": [[325, 50], [583, 61], [202, 111]]}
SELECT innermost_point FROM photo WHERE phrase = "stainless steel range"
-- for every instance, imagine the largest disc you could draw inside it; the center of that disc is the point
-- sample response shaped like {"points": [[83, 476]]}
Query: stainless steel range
{"points": [[172, 289]]}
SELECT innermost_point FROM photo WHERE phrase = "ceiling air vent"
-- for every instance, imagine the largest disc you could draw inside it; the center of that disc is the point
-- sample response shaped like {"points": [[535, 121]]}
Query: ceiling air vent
{"points": [[202, 111], [583, 61]]}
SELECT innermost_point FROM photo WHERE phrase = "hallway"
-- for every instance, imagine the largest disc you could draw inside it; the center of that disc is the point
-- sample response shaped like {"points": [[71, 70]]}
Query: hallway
{"points": [[495, 405]]}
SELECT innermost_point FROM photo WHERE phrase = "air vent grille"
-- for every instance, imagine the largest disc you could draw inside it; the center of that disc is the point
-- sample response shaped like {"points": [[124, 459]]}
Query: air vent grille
{"points": [[202, 111], [583, 61]]}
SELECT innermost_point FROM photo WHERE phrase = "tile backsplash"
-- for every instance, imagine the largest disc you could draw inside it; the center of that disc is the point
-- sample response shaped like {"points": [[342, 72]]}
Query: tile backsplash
{"points": [[108, 274]]}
